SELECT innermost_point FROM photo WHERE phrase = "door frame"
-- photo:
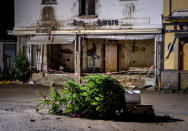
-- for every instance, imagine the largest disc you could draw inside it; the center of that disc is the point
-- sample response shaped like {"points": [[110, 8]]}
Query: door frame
{"points": [[4, 56], [104, 54]]}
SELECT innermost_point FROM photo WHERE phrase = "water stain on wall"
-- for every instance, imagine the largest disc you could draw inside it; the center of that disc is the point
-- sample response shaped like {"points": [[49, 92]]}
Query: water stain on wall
{"points": [[129, 10], [74, 6], [49, 22]]}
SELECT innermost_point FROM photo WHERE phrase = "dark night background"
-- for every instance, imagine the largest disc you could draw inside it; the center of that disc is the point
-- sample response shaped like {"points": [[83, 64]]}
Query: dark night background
{"points": [[7, 19]]}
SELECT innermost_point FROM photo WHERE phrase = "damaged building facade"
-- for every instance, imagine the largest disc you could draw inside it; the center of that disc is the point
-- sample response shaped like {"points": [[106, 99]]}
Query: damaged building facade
{"points": [[175, 24], [72, 37]]}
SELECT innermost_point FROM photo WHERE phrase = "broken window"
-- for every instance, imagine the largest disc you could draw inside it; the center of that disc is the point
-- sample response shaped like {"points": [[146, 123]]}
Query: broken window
{"points": [[87, 7], [48, 1]]}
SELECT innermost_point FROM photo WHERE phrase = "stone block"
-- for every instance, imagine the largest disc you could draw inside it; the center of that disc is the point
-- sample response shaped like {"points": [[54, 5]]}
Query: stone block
{"points": [[169, 79]]}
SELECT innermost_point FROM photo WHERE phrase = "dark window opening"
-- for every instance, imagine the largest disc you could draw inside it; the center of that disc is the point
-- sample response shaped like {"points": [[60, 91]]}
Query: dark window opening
{"points": [[68, 60], [87, 7], [48, 1]]}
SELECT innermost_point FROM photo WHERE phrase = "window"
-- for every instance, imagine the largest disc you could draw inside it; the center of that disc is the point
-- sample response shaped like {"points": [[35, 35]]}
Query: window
{"points": [[48, 1], [87, 7]]}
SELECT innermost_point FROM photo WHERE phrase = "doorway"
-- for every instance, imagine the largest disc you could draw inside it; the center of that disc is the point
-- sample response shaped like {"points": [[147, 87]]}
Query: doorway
{"points": [[9, 53], [111, 57]]}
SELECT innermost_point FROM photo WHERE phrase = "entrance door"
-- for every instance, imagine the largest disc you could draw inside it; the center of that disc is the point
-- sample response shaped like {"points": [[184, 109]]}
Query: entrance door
{"points": [[185, 57], [9, 52], [111, 58]]}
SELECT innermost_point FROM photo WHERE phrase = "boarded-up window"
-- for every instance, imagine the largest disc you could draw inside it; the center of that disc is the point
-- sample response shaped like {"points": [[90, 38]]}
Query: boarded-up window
{"points": [[87, 7], [48, 14]]}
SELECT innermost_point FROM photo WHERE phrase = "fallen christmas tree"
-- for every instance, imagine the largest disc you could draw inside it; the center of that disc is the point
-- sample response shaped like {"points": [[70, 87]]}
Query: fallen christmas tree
{"points": [[99, 96]]}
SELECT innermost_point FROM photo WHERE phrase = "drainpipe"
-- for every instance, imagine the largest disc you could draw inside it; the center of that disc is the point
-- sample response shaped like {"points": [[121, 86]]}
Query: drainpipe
{"points": [[169, 7], [155, 59], [41, 57]]}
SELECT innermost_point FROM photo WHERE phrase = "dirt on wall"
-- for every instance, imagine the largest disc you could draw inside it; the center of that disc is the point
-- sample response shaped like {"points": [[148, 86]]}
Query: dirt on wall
{"points": [[48, 13], [131, 53], [136, 53], [48, 21], [129, 10]]}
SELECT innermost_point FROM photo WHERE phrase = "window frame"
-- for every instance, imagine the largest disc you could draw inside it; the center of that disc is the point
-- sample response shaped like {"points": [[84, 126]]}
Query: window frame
{"points": [[85, 12], [46, 2], [128, 0]]}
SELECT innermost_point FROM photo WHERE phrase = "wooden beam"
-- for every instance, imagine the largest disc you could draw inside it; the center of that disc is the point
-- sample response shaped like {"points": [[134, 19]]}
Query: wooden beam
{"points": [[176, 55], [70, 32]]}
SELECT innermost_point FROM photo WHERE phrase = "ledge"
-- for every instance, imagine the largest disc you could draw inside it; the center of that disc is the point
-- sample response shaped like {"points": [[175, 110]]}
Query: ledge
{"points": [[176, 18], [67, 32], [88, 16], [49, 3]]}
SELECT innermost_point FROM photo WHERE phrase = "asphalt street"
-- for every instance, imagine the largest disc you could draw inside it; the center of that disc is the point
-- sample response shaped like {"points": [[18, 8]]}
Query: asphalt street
{"points": [[17, 113]]}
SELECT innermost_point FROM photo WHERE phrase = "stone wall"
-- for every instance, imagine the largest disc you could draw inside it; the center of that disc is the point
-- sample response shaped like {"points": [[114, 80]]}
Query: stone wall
{"points": [[170, 79], [138, 53]]}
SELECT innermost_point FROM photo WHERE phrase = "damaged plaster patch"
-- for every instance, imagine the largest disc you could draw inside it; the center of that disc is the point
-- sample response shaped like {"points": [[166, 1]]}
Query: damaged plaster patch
{"points": [[48, 14], [48, 22]]}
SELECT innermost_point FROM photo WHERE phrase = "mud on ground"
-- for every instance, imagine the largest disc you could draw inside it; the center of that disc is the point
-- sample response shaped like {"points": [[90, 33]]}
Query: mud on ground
{"points": [[17, 113]]}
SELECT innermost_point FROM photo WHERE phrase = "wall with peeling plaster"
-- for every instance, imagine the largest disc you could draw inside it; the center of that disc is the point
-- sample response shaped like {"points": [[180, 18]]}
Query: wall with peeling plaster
{"points": [[93, 55], [135, 14], [136, 53], [132, 53]]}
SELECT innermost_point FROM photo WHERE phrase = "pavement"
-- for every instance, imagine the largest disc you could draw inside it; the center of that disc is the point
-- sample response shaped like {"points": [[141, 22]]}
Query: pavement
{"points": [[17, 113]]}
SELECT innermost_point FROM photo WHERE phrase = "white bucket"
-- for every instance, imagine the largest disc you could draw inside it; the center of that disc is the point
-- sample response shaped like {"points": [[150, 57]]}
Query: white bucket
{"points": [[132, 97]]}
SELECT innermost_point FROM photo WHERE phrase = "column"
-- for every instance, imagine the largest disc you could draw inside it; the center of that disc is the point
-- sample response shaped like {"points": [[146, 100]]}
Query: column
{"points": [[45, 57], [155, 57], [77, 60]]}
